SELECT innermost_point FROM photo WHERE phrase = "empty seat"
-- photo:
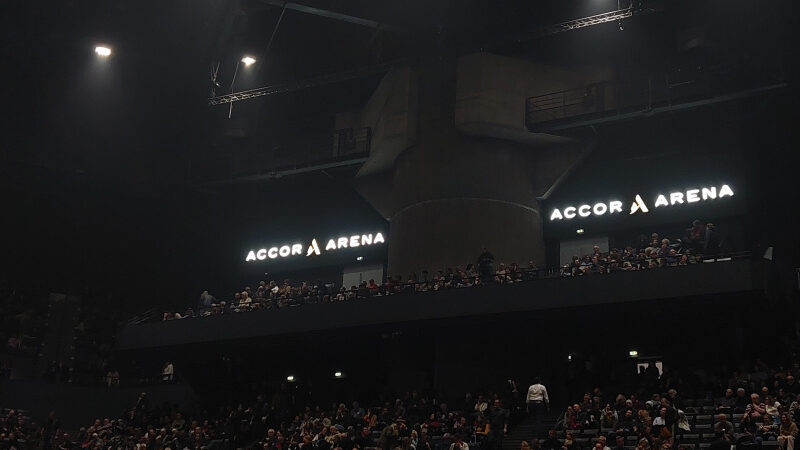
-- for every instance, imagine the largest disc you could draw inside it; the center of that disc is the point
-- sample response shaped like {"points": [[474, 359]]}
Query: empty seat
{"points": [[702, 426], [690, 438], [703, 418], [590, 432]]}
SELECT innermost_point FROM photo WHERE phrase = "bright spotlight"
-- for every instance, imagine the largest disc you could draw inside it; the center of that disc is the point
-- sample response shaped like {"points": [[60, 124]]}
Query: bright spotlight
{"points": [[579, 230], [290, 378], [633, 353], [248, 60], [360, 258], [102, 51], [337, 374]]}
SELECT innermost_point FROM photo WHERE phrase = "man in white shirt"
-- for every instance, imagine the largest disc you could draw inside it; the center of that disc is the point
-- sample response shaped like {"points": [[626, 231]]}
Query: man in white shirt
{"points": [[536, 401], [167, 375]]}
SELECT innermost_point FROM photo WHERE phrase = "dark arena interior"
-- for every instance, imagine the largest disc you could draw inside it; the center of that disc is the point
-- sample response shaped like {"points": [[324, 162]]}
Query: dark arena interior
{"points": [[400, 225]]}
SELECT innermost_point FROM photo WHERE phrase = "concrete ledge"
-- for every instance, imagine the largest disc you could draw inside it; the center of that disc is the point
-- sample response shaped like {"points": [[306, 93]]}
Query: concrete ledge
{"points": [[672, 282]]}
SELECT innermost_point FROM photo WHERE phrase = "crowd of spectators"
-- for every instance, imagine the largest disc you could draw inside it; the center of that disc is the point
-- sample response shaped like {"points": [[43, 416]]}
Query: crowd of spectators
{"points": [[758, 408], [652, 253], [755, 409], [699, 241], [412, 422]]}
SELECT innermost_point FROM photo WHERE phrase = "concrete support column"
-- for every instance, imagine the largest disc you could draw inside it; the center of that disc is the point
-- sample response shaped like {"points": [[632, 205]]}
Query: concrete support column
{"points": [[452, 165], [456, 194]]}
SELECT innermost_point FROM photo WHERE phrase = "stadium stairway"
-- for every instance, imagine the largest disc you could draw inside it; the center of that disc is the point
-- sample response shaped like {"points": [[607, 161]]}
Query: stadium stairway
{"points": [[524, 430]]}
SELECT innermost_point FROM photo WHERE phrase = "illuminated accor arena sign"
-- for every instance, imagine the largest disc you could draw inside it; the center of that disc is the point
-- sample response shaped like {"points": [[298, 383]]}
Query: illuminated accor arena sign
{"points": [[639, 205], [312, 248]]}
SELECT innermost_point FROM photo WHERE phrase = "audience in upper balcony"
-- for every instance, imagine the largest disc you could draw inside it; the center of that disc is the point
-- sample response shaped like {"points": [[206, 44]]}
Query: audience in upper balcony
{"points": [[651, 253]]}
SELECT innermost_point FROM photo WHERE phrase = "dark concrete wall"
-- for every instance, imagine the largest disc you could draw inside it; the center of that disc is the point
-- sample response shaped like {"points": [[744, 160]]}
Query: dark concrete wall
{"points": [[78, 406]]}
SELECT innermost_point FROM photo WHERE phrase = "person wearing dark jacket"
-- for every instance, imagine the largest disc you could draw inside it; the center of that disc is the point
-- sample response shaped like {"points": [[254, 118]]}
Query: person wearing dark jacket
{"points": [[486, 265], [722, 442], [552, 442]]}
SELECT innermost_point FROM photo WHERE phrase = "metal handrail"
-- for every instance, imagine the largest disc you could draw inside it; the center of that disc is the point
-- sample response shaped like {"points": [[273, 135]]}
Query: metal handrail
{"points": [[646, 92]]}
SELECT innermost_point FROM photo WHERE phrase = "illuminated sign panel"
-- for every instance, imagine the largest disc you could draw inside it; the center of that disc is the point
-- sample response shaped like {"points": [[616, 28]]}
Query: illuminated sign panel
{"points": [[313, 247], [638, 205]]}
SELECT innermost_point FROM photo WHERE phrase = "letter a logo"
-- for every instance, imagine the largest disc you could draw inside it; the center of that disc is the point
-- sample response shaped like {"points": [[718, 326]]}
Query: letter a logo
{"points": [[638, 205], [313, 248]]}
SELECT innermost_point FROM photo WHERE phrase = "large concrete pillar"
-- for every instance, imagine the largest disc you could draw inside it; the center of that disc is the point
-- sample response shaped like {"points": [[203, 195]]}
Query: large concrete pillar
{"points": [[453, 167]]}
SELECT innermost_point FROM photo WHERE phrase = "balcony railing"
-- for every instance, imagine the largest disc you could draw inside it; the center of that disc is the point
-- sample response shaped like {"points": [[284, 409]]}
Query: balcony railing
{"points": [[308, 153], [614, 100]]}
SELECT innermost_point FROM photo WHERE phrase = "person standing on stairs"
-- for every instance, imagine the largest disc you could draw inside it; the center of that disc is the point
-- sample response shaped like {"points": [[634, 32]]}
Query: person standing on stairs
{"points": [[536, 401], [498, 426]]}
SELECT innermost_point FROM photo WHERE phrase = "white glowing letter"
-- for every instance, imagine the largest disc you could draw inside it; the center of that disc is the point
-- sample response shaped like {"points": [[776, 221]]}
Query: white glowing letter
{"points": [[614, 206], [584, 210], [556, 215], [285, 251], [709, 193], [331, 245], [251, 256], [661, 201], [638, 205], [366, 239], [342, 242], [378, 239], [297, 249], [725, 191], [261, 254], [675, 197], [273, 253], [569, 212], [599, 209], [313, 248], [354, 241], [691, 195]]}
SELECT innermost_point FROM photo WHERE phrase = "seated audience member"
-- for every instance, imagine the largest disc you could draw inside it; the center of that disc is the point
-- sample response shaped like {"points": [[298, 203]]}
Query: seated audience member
{"points": [[568, 441], [727, 402], [771, 406], [721, 442], [741, 401], [643, 444], [608, 418], [787, 432], [627, 424], [551, 442], [767, 431], [756, 408], [723, 425]]}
